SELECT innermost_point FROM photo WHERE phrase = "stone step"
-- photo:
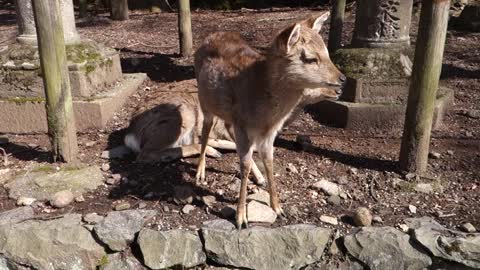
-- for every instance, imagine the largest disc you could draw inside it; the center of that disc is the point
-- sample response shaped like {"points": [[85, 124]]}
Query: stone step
{"points": [[24, 115], [375, 116]]}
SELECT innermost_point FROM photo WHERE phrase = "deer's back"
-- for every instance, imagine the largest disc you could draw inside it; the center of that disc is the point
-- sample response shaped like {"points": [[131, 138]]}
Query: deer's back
{"points": [[223, 65]]}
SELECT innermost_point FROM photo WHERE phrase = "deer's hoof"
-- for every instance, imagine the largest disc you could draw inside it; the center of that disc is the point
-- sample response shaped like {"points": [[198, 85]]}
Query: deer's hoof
{"points": [[241, 218]]}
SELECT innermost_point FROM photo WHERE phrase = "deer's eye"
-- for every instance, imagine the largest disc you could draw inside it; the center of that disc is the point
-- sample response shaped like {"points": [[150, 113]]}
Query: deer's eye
{"points": [[308, 59]]}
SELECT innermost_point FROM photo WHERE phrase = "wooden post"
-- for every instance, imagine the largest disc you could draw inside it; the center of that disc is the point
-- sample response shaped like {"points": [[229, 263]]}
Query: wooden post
{"points": [[53, 61], [185, 28], [119, 10], [82, 8], [336, 25], [424, 84]]}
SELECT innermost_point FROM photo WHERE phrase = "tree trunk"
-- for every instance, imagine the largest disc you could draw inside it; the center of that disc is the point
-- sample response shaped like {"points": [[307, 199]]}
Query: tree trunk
{"points": [[82, 8], [119, 10], [53, 60], [336, 25], [185, 28], [424, 84]]}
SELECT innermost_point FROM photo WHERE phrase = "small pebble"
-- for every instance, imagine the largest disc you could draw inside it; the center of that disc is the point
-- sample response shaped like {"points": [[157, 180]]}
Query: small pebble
{"points": [[79, 198], [62, 199], [25, 201], [122, 206], [403, 227], [334, 200], [291, 168], [220, 192], [209, 200], [110, 181], [166, 209], [434, 155], [188, 208], [105, 167], [329, 220], [412, 209], [362, 217], [377, 219], [468, 227], [450, 152], [117, 177], [142, 205], [90, 144]]}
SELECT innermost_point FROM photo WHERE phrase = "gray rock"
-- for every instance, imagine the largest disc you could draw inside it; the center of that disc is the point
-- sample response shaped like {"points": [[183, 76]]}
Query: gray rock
{"points": [[119, 261], [329, 220], [41, 183], [166, 249], [468, 227], [62, 199], [92, 218], [16, 215], [327, 187], [116, 152], [259, 212], [118, 229], [261, 196], [55, 244], [385, 248], [446, 244], [289, 247]]}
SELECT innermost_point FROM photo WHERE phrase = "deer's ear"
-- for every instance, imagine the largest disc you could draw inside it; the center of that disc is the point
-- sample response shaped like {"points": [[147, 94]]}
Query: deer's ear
{"points": [[318, 22], [293, 38]]}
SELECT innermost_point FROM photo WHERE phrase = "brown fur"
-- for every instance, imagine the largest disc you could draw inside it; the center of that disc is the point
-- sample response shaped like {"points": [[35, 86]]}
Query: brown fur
{"points": [[256, 94]]}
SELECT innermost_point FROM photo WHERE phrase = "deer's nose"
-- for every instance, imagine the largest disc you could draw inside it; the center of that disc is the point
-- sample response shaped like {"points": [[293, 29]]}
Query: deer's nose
{"points": [[343, 78]]}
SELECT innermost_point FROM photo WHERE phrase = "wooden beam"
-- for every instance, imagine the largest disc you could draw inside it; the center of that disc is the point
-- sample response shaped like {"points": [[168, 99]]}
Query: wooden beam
{"points": [[426, 70], [185, 28], [336, 25], [53, 61]]}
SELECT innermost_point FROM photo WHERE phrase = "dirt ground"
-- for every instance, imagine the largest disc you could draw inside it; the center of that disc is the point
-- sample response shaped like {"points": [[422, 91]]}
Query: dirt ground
{"points": [[365, 163]]}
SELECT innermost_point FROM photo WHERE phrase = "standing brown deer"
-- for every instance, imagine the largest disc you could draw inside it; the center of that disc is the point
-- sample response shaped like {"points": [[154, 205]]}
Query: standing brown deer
{"points": [[256, 94], [168, 124]]}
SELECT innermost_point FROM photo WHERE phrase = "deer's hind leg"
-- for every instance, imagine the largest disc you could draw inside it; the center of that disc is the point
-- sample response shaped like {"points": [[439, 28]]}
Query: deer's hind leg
{"points": [[257, 174], [206, 128], [265, 150]]}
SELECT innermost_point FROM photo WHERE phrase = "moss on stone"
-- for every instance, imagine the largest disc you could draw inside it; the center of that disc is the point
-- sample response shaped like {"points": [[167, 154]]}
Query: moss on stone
{"points": [[372, 63], [84, 52], [23, 100]]}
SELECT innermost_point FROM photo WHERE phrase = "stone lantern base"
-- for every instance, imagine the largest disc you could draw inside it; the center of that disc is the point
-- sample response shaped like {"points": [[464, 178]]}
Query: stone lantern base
{"points": [[98, 86], [376, 91]]}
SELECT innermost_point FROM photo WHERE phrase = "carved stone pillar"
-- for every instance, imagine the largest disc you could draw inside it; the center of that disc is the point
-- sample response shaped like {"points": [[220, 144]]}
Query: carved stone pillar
{"points": [[378, 65], [382, 23], [26, 22]]}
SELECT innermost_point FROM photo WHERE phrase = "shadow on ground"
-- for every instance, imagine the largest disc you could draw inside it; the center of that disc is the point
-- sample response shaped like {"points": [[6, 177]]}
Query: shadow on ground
{"points": [[159, 67]]}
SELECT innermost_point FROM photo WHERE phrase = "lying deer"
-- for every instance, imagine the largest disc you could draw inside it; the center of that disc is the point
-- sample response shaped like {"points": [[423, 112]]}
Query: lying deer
{"points": [[255, 94], [167, 126]]}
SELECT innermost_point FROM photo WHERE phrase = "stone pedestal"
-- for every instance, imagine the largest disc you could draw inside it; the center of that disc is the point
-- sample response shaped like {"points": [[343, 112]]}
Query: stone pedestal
{"points": [[98, 87], [378, 65], [27, 33]]}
